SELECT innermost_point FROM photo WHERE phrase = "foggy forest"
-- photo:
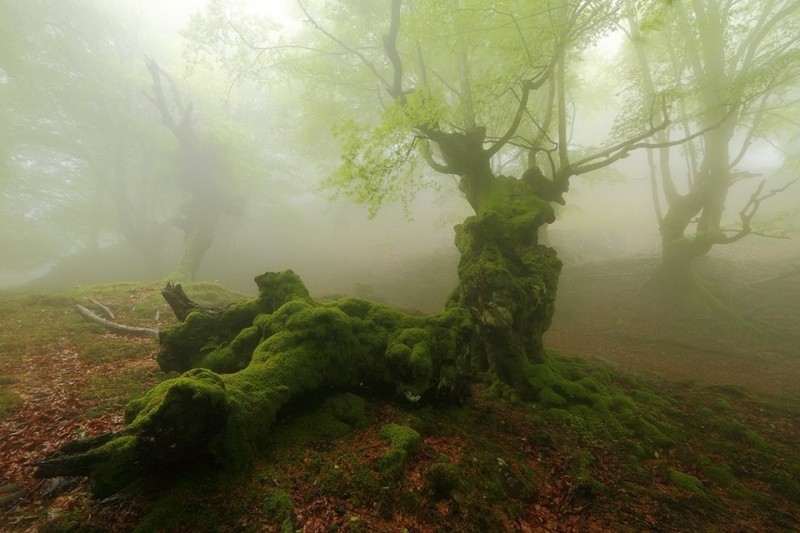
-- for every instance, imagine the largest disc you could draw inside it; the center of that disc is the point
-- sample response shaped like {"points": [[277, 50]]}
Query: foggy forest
{"points": [[400, 265]]}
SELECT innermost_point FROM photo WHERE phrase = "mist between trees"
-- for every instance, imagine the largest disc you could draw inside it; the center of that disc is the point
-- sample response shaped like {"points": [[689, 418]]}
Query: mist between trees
{"points": [[207, 141], [407, 181]]}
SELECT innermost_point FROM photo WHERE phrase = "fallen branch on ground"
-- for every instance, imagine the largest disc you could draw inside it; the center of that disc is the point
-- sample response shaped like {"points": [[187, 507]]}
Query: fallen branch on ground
{"points": [[113, 326]]}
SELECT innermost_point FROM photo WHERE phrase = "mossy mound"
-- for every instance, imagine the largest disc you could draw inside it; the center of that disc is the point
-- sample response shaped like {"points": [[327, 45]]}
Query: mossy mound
{"points": [[295, 348], [587, 397], [404, 443]]}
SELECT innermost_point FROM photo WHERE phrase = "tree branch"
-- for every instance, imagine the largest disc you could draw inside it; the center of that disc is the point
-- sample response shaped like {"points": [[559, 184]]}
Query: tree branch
{"points": [[105, 308], [182, 129], [512, 129], [113, 326], [390, 45], [749, 210], [341, 43], [427, 153]]}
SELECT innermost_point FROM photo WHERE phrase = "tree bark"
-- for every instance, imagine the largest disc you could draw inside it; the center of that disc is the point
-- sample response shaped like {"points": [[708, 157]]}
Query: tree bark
{"points": [[113, 326], [508, 282]]}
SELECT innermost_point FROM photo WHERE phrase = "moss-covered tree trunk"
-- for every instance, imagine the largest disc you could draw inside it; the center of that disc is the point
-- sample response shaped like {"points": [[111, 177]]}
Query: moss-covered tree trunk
{"points": [[278, 347], [508, 281]]}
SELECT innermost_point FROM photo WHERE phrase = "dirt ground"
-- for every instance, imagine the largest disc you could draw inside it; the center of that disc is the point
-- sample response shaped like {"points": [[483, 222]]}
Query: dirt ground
{"points": [[607, 310]]}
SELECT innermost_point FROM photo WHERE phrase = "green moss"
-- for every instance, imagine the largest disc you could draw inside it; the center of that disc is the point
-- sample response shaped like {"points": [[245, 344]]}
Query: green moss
{"points": [[337, 416], [542, 376], [280, 347], [391, 464], [441, 479], [223, 342], [559, 415], [723, 404], [198, 384], [408, 353], [199, 340], [508, 281], [786, 482], [402, 437], [234, 356], [550, 398], [654, 434], [720, 473], [349, 408], [737, 431], [648, 397], [404, 442], [277, 288], [356, 307], [687, 482], [119, 467], [278, 508]]}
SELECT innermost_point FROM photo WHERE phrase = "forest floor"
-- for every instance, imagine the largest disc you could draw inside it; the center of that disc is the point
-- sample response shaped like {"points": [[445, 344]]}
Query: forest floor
{"points": [[608, 310], [707, 438]]}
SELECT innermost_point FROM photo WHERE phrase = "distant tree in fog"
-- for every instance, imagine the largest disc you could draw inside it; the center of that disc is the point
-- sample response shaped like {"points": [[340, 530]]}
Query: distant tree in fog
{"points": [[729, 70], [86, 162], [81, 151]]}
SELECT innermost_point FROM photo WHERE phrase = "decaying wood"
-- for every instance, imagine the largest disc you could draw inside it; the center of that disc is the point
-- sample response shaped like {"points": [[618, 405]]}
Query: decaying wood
{"points": [[113, 326], [105, 308], [181, 304], [174, 295]]}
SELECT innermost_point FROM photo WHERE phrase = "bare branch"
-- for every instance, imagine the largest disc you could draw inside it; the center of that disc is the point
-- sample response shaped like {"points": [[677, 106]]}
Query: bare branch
{"points": [[113, 326], [105, 308], [750, 209], [622, 149], [512, 129], [341, 43], [447, 84]]}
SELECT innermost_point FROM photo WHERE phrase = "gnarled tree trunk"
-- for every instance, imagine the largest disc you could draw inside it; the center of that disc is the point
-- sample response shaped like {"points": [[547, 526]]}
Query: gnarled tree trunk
{"points": [[289, 346], [508, 281]]}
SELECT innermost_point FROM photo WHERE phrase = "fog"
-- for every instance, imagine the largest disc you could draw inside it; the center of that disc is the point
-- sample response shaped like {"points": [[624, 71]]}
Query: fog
{"points": [[66, 213], [552, 250]]}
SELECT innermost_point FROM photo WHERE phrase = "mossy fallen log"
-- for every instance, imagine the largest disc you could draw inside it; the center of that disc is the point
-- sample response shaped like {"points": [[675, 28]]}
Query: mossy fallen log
{"points": [[302, 347]]}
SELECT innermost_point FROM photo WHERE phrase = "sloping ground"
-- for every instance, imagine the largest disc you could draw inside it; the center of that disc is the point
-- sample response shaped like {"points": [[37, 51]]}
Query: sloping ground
{"points": [[608, 310], [634, 454]]}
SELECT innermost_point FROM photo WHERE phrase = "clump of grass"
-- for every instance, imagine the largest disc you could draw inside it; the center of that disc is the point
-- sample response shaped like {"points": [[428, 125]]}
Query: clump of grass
{"points": [[737, 431], [689, 483], [8, 398]]}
